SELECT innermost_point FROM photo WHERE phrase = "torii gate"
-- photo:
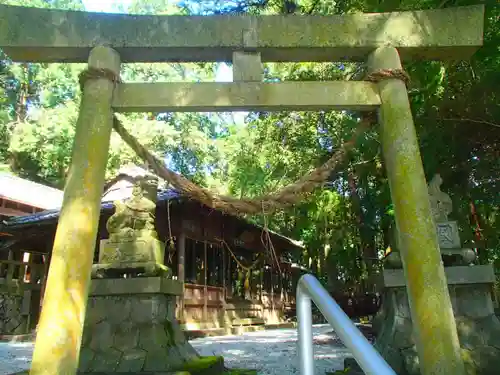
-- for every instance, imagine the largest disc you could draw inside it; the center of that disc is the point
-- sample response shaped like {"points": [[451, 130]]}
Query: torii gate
{"points": [[107, 40]]}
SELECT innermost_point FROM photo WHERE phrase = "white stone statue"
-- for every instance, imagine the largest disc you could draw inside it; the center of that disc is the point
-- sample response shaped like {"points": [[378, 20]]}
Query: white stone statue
{"points": [[441, 204]]}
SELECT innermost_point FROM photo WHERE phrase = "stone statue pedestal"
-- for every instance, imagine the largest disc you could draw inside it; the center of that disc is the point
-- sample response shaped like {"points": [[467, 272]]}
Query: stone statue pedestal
{"points": [[138, 256], [477, 325], [130, 328], [134, 250], [470, 290]]}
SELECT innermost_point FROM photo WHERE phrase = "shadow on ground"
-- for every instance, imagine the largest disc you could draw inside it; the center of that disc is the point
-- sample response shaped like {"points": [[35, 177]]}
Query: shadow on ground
{"points": [[272, 352]]}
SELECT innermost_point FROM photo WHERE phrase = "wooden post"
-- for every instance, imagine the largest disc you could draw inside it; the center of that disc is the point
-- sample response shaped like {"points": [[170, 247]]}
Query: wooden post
{"points": [[10, 268], [43, 281], [224, 291], [282, 292], [261, 277], [431, 310], [181, 276], [223, 252], [229, 276], [181, 256], [22, 273], [57, 346], [205, 289], [285, 286], [193, 265], [272, 288]]}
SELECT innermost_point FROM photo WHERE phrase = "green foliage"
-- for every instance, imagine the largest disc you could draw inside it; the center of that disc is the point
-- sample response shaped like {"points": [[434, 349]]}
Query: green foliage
{"points": [[41, 149], [345, 226]]}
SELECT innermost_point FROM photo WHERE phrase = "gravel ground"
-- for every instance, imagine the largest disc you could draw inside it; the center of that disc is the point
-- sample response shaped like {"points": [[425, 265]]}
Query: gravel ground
{"points": [[270, 352], [274, 352], [15, 357]]}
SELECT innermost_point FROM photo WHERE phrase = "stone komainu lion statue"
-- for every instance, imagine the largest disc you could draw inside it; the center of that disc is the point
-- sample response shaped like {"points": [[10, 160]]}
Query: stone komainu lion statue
{"points": [[133, 247], [135, 217], [441, 203]]}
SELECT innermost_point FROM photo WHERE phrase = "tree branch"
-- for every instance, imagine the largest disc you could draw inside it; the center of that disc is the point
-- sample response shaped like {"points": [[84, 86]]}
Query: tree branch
{"points": [[465, 120], [313, 7]]}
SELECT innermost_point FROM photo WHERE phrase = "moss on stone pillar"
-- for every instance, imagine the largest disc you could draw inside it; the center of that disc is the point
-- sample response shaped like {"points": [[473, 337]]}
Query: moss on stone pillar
{"points": [[431, 310], [59, 333]]}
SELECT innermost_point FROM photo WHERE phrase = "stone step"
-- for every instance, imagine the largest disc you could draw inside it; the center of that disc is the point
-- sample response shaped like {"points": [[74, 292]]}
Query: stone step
{"points": [[18, 338], [204, 332], [248, 322], [240, 330], [192, 326], [285, 325]]}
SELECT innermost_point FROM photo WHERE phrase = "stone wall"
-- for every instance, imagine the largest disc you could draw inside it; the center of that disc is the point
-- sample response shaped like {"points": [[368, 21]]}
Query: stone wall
{"points": [[11, 320], [133, 333], [477, 325]]}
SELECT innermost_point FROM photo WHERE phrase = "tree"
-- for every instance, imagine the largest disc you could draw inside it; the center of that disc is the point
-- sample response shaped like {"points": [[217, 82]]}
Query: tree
{"points": [[346, 225]]}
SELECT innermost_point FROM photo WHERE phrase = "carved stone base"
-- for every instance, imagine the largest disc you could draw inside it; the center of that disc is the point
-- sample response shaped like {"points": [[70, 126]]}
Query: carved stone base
{"points": [[146, 249], [137, 257], [477, 325], [450, 258], [132, 331], [134, 269]]}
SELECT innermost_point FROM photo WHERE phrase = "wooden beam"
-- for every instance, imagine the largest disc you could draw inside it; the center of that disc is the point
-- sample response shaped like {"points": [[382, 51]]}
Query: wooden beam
{"points": [[245, 96], [205, 289], [48, 35], [12, 212]]}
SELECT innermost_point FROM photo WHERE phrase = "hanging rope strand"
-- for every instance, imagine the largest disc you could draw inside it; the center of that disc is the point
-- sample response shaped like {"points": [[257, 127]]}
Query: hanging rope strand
{"points": [[289, 195], [241, 265]]}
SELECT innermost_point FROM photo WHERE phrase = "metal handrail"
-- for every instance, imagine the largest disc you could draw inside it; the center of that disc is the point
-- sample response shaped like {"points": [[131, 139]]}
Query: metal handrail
{"points": [[309, 288]]}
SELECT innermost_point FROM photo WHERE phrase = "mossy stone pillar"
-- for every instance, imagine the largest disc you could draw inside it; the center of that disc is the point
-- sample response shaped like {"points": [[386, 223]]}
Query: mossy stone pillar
{"points": [[60, 328], [429, 300]]}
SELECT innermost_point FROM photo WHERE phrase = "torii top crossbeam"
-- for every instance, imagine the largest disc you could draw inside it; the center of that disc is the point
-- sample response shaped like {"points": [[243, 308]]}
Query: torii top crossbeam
{"points": [[44, 35]]}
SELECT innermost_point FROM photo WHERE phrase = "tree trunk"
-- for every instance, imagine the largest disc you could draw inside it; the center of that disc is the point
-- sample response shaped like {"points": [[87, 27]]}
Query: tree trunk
{"points": [[367, 246], [23, 95]]}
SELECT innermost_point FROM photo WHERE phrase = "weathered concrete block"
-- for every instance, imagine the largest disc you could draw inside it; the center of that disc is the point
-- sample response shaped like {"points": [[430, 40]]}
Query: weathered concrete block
{"points": [[133, 286], [12, 322], [146, 336], [118, 310], [43, 35], [244, 96], [86, 358], [247, 66], [448, 235], [457, 275], [477, 326], [475, 303], [106, 361], [126, 337], [136, 250], [102, 336], [132, 360]]}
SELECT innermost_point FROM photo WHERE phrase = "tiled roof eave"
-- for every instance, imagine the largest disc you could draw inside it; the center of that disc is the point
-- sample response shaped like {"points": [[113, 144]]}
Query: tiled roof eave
{"points": [[49, 216]]}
